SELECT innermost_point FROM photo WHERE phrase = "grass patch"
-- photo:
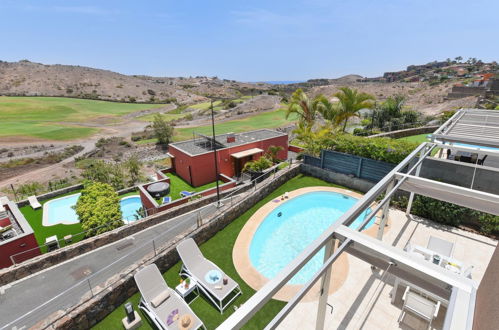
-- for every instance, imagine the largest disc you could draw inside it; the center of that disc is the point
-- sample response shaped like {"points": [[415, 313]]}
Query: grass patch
{"points": [[420, 138], [219, 250], [270, 119], [47, 117], [177, 184]]}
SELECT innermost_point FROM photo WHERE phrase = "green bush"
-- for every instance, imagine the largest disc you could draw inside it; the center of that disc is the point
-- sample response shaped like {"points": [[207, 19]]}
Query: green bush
{"points": [[98, 208], [384, 149], [258, 165]]}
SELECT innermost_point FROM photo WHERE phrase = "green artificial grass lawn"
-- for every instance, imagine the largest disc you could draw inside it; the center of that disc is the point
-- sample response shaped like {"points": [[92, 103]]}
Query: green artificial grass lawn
{"points": [[177, 184], [219, 250], [57, 118], [34, 218]]}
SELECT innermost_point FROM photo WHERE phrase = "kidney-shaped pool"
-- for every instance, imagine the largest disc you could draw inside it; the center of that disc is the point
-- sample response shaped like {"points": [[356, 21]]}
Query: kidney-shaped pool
{"points": [[290, 227]]}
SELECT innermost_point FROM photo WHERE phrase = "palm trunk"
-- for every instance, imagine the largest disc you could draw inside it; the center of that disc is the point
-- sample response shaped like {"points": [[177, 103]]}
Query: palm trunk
{"points": [[345, 125]]}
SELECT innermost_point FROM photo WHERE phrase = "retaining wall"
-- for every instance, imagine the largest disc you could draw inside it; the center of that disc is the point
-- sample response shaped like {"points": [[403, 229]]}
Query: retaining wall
{"points": [[407, 132], [98, 307]]}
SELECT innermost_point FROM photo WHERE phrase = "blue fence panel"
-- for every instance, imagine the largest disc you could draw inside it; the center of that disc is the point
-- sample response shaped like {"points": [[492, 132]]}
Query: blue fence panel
{"points": [[364, 168], [310, 160], [374, 170], [340, 162]]}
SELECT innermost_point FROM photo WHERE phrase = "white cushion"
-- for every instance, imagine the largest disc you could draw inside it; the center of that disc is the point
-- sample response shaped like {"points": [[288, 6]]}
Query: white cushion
{"points": [[160, 298]]}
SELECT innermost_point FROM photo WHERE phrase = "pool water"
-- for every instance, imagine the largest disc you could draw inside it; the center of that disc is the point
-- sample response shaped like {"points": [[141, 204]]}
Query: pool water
{"points": [[61, 211], [129, 207], [292, 226]]}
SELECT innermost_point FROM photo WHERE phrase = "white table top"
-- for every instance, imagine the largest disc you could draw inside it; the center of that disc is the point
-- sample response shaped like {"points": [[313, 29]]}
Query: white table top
{"points": [[448, 263], [185, 291]]}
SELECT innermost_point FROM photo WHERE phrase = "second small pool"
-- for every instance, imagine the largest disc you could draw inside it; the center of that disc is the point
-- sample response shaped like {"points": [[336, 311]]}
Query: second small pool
{"points": [[292, 226]]}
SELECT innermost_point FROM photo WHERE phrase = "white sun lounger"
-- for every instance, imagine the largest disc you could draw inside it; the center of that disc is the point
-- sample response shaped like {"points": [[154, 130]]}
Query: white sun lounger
{"points": [[195, 265], [161, 304], [34, 202]]}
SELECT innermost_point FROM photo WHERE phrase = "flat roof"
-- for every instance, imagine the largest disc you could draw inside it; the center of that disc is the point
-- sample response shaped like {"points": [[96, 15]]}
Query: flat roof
{"points": [[203, 145]]}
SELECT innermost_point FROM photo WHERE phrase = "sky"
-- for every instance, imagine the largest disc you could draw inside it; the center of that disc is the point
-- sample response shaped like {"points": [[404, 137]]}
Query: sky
{"points": [[248, 40]]}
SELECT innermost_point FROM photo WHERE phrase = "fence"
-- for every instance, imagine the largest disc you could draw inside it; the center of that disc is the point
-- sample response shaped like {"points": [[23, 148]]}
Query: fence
{"points": [[115, 263], [364, 168]]}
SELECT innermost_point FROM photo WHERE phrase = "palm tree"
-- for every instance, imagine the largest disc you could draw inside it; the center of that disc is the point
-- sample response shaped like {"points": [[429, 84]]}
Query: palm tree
{"points": [[350, 102], [301, 105], [327, 109]]}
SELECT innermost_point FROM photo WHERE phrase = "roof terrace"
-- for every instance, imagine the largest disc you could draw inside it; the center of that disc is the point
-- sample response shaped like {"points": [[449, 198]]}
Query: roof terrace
{"points": [[203, 144]]}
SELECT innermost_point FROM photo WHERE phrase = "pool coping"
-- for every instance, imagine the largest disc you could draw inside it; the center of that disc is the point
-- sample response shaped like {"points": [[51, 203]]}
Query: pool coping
{"points": [[252, 277], [45, 213]]}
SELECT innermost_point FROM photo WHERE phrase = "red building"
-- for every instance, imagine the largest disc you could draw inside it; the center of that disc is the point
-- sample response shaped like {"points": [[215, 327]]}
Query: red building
{"points": [[17, 239], [193, 160]]}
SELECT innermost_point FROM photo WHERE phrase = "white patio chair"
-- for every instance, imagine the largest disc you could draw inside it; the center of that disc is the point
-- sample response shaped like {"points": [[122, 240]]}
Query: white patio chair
{"points": [[440, 246], [419, 306]]}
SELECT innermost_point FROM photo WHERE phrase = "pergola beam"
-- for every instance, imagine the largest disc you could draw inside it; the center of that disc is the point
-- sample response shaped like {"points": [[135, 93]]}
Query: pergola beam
{"points": [[474, 199]]}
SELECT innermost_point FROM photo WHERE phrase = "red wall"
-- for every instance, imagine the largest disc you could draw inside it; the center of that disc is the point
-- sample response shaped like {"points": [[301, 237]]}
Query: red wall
{"points": [[202, 168], [18, 245]]}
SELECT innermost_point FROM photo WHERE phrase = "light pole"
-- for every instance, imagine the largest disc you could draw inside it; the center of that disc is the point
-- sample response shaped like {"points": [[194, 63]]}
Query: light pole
{"points": [[214, 144]]}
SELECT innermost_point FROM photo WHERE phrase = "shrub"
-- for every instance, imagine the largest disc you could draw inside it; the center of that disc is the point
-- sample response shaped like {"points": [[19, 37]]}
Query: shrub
{"points": [[258, 165], [98, 208], [361, 132], [384, 149]]}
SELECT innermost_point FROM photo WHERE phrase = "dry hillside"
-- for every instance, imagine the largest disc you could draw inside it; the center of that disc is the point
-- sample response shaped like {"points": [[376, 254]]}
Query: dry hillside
{"points": [[34, 79]]}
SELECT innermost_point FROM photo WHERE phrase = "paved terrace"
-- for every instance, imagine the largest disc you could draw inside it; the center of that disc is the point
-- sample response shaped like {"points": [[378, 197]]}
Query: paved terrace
{"points": [[364, 301], [19, 298]]}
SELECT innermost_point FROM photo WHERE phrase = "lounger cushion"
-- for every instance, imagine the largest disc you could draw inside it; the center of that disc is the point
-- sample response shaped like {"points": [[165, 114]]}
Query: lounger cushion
{"points": [[160, 298]]}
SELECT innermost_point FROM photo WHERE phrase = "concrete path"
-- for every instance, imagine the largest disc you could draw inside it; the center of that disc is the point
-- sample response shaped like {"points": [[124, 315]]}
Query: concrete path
{"points": [[54, 289]]}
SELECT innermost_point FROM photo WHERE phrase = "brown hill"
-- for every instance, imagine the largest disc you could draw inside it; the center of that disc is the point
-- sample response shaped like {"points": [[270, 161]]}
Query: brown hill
{"points": [[35, 79]]}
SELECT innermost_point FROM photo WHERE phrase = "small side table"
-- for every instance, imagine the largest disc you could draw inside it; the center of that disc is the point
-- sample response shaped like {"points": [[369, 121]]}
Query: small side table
{"points": [[134, 324], [184, 292]]}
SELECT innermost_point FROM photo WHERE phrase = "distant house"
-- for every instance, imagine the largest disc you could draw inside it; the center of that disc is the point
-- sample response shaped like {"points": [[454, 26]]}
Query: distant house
{"points": [[193, 160]]}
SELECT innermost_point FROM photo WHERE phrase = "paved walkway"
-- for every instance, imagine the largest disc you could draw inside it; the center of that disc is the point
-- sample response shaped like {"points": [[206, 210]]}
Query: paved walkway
{"points": [[88, 270]]}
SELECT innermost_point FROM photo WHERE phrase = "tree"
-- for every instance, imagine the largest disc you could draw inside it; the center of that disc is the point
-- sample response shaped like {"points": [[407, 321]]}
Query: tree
{"points": [[301, 105], [459, 59], [162, 129], [98, 208], [100, 171], [272, 152], [133, 166], [350, 102], [327, 109]]}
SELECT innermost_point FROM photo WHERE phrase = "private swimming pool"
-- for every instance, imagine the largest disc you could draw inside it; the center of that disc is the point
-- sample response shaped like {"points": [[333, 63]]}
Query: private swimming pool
{"points": [[60, 210], [293, 225]]}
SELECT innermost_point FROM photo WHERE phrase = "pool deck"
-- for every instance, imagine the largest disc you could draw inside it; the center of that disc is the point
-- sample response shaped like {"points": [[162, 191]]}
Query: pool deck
{"points": [[241, 251]]}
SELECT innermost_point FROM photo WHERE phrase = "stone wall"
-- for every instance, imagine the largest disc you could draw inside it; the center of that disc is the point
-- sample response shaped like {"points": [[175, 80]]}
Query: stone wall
{"points": [[50, 259], [52, 194], [407, 132], [348, 181], [98, 307]]}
